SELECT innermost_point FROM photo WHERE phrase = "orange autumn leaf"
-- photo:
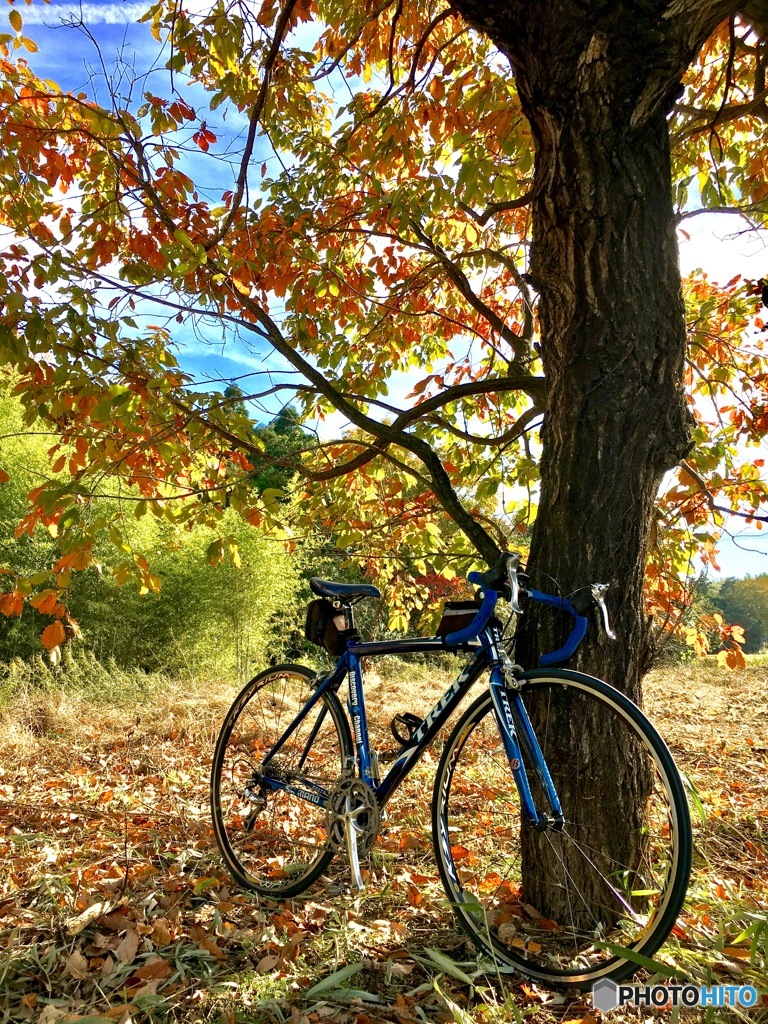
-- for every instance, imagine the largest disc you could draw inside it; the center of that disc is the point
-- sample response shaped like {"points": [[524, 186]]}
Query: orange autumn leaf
{"points": [[79, 560], [47, 603], [12, 605], [52, 636]]}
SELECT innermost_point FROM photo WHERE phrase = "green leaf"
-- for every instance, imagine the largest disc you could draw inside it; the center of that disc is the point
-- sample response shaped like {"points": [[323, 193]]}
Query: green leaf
{"points": [[637, 958], [346, 995], [695, 798], [334, 980], [215, 552], [447, 965]]}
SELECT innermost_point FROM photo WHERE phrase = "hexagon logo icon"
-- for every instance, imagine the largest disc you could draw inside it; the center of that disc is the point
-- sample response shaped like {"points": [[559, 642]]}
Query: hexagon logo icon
{"points": [[605, 995]]}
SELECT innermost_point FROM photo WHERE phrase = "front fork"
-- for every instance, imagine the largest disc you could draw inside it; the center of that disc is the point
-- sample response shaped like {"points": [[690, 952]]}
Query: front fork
{"points": [[516, 733]]}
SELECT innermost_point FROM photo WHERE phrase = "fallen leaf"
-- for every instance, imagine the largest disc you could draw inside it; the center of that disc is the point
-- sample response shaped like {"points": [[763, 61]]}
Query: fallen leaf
{"points": [[414, 895], [736, 952], [212, 947], [158, 969], [117, 922], [51, 1014], [128, 948], [117, 1011], [161, 933], [76, 965]]}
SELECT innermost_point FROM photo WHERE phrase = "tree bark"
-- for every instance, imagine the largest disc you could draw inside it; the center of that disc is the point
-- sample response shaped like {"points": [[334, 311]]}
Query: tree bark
{"points": [[596, 87], [604, 260], [613, 341]]}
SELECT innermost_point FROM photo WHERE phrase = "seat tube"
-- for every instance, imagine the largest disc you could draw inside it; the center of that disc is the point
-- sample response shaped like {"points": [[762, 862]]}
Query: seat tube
{"points": [[504, 720], [356, 705]]}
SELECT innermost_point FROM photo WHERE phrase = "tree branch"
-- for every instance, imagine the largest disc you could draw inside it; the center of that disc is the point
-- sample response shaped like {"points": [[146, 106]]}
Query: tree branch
{"points": [[515, 341], [441, 483], [493, 208], [712, 501], [741, 211], [253, 122], [519, 427]]}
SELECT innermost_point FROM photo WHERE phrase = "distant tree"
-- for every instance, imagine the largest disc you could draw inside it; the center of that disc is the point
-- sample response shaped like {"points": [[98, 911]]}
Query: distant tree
{"points": [[282, 439], [745, 601]]}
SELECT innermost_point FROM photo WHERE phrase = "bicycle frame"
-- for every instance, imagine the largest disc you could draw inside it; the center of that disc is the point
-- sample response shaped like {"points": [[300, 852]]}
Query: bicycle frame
{"points": [[510, 714]]}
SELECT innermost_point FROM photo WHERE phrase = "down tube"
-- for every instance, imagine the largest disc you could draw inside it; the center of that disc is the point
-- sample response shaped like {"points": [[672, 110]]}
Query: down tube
{"points": [[437, 717]]}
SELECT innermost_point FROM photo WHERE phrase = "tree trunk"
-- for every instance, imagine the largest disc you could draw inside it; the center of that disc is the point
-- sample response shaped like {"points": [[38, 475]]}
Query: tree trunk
{"points": [[613, 338], [604, 260]]}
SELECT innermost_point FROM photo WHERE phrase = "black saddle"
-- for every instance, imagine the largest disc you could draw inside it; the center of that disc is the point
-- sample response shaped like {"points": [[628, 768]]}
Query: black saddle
{"points": [[342, 591]]}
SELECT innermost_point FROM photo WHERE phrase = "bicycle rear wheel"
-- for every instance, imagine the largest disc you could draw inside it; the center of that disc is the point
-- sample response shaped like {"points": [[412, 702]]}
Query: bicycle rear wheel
{"points": [[562, 906], [271, 833]]}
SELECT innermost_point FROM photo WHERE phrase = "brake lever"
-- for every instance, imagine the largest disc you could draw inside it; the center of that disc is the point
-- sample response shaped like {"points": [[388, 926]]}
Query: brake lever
{"points": [[513, 562], [598, 591]]}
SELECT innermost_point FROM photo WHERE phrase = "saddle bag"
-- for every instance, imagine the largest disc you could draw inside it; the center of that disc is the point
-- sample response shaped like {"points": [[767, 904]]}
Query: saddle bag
{"points": [[456, 615], [326, 627]]}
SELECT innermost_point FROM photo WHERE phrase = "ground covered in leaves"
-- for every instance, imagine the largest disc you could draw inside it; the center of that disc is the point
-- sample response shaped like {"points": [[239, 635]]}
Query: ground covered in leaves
{"points": [[114, 904]]}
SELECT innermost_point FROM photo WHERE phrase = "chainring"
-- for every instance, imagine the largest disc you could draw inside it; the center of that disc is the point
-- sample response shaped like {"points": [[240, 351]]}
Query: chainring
{"points": [[365, 806]]}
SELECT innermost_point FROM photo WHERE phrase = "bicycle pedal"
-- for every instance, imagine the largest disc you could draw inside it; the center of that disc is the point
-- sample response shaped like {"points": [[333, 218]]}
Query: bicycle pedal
{"points": [[410, 722]]}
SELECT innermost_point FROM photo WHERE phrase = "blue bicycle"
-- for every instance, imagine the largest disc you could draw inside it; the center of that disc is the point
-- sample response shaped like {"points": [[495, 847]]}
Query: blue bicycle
{"points": [[558, 862]]}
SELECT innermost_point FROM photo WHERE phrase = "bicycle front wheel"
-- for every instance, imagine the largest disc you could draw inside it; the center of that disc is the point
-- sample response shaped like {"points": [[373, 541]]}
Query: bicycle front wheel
{"points": [[271, 832], [564, 906]]}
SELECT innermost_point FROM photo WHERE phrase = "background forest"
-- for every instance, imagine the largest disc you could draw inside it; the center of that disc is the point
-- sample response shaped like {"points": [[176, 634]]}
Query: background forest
{"points": [[230, 618]]}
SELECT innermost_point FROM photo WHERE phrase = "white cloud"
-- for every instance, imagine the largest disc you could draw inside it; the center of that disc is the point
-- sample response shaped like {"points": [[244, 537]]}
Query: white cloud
{"points": [[91, 14], [109, 13]]}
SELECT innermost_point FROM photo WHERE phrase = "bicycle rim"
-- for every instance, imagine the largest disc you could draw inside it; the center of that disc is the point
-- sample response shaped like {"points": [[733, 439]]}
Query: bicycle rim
{"points": [[273, 840], [560, 906]]}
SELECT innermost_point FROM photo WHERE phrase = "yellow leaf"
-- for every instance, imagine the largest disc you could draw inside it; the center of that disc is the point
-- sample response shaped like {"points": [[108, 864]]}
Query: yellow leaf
{"points": [[437, 88], [234, 552], [15, 19]]}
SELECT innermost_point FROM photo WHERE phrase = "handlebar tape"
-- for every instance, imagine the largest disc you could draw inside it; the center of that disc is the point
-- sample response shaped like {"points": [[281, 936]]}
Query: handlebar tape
{"points": [[580, 623], [477, 625]]}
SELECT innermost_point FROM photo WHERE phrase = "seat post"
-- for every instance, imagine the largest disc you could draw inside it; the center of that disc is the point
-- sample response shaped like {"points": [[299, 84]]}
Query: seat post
{"points": [[349, 615]]}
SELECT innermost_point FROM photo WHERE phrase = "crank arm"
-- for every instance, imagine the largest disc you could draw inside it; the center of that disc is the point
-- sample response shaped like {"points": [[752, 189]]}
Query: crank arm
{"points": [[352, 831]]}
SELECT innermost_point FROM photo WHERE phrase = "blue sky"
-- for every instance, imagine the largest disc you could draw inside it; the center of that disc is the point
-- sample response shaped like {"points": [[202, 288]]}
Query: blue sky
{"points": [[70, 58]]}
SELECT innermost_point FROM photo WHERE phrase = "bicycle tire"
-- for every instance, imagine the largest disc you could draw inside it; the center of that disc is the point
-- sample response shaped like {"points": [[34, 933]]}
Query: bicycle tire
{"points": [[272, 841], [492, 865]]}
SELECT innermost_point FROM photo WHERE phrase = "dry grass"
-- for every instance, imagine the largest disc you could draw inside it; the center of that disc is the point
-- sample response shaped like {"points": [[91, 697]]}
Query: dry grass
{"points": [[105, 802]]}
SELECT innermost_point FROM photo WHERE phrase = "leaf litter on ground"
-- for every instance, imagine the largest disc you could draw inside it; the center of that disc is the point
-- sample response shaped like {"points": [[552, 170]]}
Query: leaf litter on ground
{"points": [[114, 904]]}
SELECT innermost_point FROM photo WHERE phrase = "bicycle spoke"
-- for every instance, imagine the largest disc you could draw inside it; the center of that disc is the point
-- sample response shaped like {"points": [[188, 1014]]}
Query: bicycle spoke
{"points": [[601, 878], [276, 841]]}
